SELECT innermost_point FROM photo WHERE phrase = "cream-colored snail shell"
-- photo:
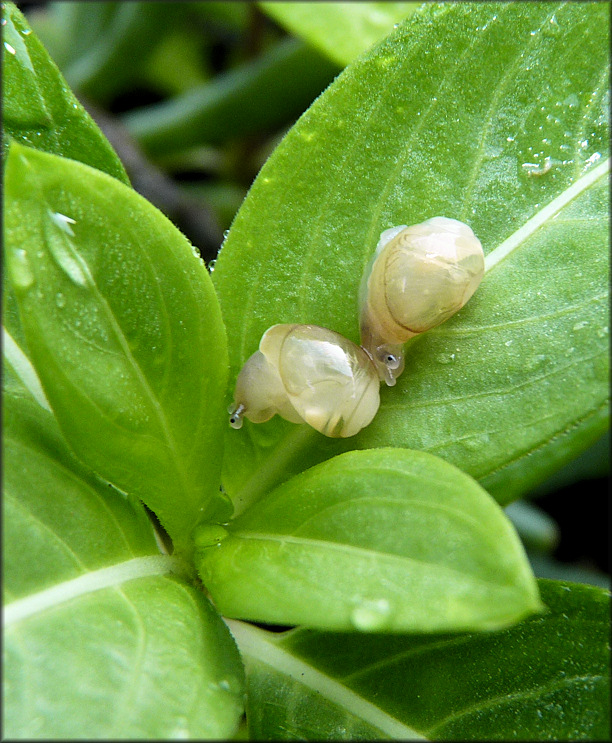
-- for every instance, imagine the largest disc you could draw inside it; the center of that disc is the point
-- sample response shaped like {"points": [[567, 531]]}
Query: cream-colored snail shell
{"points": [[306, 373], [419, 277]]}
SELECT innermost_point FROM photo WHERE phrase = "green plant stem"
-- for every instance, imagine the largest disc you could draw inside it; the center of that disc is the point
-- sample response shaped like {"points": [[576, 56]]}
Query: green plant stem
{"points": [[270, 473]]}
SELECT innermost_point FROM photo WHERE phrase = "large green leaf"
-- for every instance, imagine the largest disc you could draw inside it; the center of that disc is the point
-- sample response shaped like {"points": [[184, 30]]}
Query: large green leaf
{"points": [[496, 114], [547, 678], [123, 328], [102, 637], [341, 30], [381, 540], [39, 108]]}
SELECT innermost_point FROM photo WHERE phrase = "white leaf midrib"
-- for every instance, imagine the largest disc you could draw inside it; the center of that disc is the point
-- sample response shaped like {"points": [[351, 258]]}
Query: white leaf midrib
{"points": [[96, 580], [254, 642], [545, 214]]}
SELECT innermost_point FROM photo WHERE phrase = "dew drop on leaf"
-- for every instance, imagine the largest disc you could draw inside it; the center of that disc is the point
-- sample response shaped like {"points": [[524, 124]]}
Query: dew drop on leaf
{"points": [[209, 535], [371, 615], [21, 271], [58, 232], [580, 325]]}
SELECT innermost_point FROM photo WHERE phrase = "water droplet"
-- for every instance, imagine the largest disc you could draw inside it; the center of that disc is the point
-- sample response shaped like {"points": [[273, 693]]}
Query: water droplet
{"points": [[211, 265], [9, 48], [63, 251], [602, 332], [508, 343], [509, 139], [594, 158], [63, 222], [580, 325], [20, 269], [536, 169], [210, 535], [60, 300], [445, 358], [371, 615], [231, 684]]}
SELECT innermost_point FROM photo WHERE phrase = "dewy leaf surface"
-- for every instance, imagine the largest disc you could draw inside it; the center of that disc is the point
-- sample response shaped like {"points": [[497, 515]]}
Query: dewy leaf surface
{"points": [[101, 639], [546, 678], [380, 540], [487, 113], [39, 109], [123, 329], [342, 31]]}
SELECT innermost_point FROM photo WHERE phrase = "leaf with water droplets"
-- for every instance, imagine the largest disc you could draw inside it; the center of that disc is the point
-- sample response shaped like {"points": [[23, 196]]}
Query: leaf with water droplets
{"points": [[40, 110], [547, 678], [439, 119], [123, 328], [385, 540]]}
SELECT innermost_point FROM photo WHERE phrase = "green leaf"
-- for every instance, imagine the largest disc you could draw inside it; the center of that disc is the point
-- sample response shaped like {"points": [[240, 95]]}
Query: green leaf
{"points": [[342, 31], [124, 331], [495, 114], [380, 540], [39, 108], [251, 98], [101, 640], [126, 37], [547, 678]]}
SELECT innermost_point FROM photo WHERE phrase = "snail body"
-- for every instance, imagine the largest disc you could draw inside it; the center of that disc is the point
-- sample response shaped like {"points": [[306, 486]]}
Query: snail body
{"points": [[306, 373], [419, 277]]}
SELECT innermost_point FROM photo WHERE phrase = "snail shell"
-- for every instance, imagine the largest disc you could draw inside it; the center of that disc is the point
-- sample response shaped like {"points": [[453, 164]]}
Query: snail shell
{"points": [[306, 373], [420, 276]]}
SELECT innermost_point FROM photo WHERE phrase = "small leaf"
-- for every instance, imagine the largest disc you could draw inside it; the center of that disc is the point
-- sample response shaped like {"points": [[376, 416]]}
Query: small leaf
{"points": [[380, 540], [449, 115], [100, 640], [546, 678], [123, 330], [342, 31], [39, 107]]}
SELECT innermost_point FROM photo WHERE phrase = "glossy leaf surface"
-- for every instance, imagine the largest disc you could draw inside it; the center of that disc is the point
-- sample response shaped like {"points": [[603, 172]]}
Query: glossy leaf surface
{"points": [[494, 114], [380, 540], [123, 329], [101, 639], [547, 678], [39, 108], [343, 30]]}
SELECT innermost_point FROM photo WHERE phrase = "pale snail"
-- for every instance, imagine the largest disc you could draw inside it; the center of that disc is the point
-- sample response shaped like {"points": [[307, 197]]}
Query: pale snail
{"points": [[418, 278], [309, 374]]}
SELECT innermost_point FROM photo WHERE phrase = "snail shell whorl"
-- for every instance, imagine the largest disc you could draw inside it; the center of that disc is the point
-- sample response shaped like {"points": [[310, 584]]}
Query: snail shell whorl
{"points": [[421, 276], [311, 374]]}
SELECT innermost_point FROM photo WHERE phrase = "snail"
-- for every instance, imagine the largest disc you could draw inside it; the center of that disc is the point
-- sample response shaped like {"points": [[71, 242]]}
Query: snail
{"points": [[309, 374], [419, 277]]}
